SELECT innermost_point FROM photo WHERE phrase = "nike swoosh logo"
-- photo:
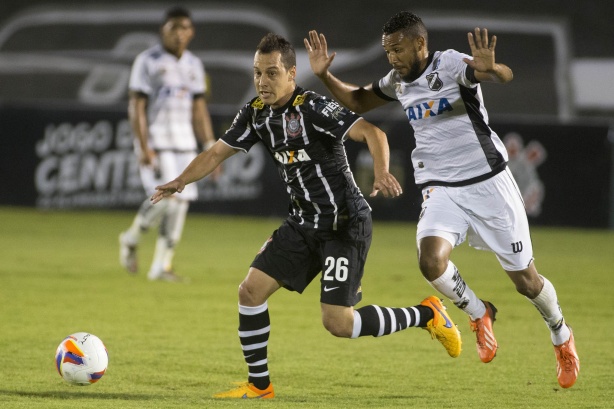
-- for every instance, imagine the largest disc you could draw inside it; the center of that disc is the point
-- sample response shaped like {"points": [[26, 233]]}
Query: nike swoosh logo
{"points": [[259, 126], [326, 289], [261, 396], [448, 323]]}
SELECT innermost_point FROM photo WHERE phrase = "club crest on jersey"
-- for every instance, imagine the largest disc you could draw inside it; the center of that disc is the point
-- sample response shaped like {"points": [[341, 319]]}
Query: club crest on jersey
{"points": [[293, 125], [287, 157], [434, 82]]}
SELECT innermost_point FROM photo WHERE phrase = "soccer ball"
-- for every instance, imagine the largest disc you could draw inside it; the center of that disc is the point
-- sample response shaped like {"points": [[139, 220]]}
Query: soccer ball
{"points": [[81, 359]]}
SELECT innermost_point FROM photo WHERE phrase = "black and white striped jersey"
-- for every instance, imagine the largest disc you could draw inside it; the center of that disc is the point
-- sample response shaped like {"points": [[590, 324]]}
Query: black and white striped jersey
{"points": [[305, 139], [454, 142]]}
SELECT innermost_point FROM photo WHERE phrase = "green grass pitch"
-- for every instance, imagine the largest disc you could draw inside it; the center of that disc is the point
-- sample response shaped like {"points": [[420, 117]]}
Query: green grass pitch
{"points": [[174, 345]]}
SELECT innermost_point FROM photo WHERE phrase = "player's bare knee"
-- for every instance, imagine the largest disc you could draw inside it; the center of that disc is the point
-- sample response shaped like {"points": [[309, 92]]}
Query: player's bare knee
{"points": [[432, 265], [247, 296], [337, 327]]}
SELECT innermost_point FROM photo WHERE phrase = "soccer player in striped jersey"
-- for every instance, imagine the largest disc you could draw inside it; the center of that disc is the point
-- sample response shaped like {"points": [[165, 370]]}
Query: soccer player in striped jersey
{"points": [[168, 113], [328, 228], [461, 166]]}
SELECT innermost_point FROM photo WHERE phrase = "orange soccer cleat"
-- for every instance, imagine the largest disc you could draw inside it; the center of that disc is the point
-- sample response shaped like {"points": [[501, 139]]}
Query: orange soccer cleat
{"points": [[567, 362], [486, 342]]}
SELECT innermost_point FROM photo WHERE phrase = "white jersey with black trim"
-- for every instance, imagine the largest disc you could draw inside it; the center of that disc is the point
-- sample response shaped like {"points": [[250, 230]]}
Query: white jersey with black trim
{"points": [[454, 143], [171, 85]]}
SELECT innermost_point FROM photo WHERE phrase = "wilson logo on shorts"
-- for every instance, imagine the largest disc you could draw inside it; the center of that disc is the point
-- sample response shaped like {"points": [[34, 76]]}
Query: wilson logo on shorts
{"points": [[517, 247]]}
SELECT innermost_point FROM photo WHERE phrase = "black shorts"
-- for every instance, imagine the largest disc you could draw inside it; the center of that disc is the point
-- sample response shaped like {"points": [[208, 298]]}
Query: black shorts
{"points": [[294, 255]]}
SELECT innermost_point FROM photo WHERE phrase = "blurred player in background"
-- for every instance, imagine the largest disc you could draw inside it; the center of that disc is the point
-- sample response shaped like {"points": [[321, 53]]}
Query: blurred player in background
{"points": [[168, 111], [460, 165], [328, 229]]}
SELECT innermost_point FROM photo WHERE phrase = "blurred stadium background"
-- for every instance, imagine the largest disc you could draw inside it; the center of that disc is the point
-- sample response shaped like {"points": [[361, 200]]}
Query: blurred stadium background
{"points": [[65, 141]]}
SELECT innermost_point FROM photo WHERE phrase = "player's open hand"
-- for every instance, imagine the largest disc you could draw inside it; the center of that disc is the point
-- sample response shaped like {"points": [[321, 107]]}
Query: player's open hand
{"points": [[168, 189], [482, 50], [317, 49], [387, 184]]}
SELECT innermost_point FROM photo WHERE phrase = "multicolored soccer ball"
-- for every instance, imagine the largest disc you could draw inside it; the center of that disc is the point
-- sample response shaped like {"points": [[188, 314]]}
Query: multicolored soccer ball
{"points": [[81, 359]]}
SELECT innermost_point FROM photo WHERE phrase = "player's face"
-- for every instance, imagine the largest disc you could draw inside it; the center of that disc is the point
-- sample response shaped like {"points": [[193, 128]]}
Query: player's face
{"points": [[273, 82], [177, 34], [405, 54]]}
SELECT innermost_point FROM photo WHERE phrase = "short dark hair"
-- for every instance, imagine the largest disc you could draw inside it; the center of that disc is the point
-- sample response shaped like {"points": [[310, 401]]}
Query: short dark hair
{"points": [[407, 22], [274, 42], [176, 12]]}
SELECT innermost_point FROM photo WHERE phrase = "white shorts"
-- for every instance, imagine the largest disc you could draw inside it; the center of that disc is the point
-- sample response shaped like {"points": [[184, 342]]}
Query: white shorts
{"points": [[169, 165], [491, 213]]}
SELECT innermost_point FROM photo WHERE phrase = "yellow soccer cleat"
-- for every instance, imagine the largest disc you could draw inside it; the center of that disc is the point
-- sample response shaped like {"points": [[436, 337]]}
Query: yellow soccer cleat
{"points": [[442, 328], [485, 337], [247, 390], [567, 362]]}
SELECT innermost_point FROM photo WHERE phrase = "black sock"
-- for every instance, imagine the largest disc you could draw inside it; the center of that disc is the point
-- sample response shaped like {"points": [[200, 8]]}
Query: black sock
{"points": [[254, 329], [378, 321]]}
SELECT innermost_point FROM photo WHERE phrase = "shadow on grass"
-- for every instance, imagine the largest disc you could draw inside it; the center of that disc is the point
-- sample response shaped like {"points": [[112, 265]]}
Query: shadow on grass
{"points": [[79, 395]]}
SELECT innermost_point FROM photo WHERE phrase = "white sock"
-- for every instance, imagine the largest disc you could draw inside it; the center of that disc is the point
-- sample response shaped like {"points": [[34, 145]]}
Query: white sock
{"points": [[176, 215], [357, 325], [148, 216], [547, 304], [157, 265], [452, 285]]}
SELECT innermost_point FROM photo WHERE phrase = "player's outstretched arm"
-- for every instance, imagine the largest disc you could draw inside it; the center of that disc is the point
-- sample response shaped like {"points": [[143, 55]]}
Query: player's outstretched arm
{"points": [[384, 181], [483, 62], [358, 99], [205, 163]]}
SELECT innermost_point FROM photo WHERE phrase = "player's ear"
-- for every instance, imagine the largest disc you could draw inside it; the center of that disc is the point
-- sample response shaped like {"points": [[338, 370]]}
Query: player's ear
{"points": [[292, 73], [420, 43]]}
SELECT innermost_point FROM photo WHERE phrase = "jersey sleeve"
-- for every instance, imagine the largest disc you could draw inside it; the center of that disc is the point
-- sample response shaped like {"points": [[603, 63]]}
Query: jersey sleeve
{"points": [[453, 62], [198, 84], [241, 135], [329, 117], [140, 80], [384, 88]]}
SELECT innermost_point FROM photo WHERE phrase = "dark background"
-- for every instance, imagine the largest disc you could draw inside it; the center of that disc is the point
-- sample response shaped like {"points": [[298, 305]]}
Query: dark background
{"points": [[44, 66]]}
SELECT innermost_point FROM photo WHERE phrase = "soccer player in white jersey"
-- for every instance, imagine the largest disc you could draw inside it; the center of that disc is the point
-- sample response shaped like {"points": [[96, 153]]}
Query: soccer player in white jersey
{"points": [[168, 112], [461, 165]]}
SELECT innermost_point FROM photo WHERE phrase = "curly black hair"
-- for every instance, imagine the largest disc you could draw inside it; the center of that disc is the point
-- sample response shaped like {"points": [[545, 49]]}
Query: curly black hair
{"points": [[274, 42], [176, 12], [407, 22]]}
